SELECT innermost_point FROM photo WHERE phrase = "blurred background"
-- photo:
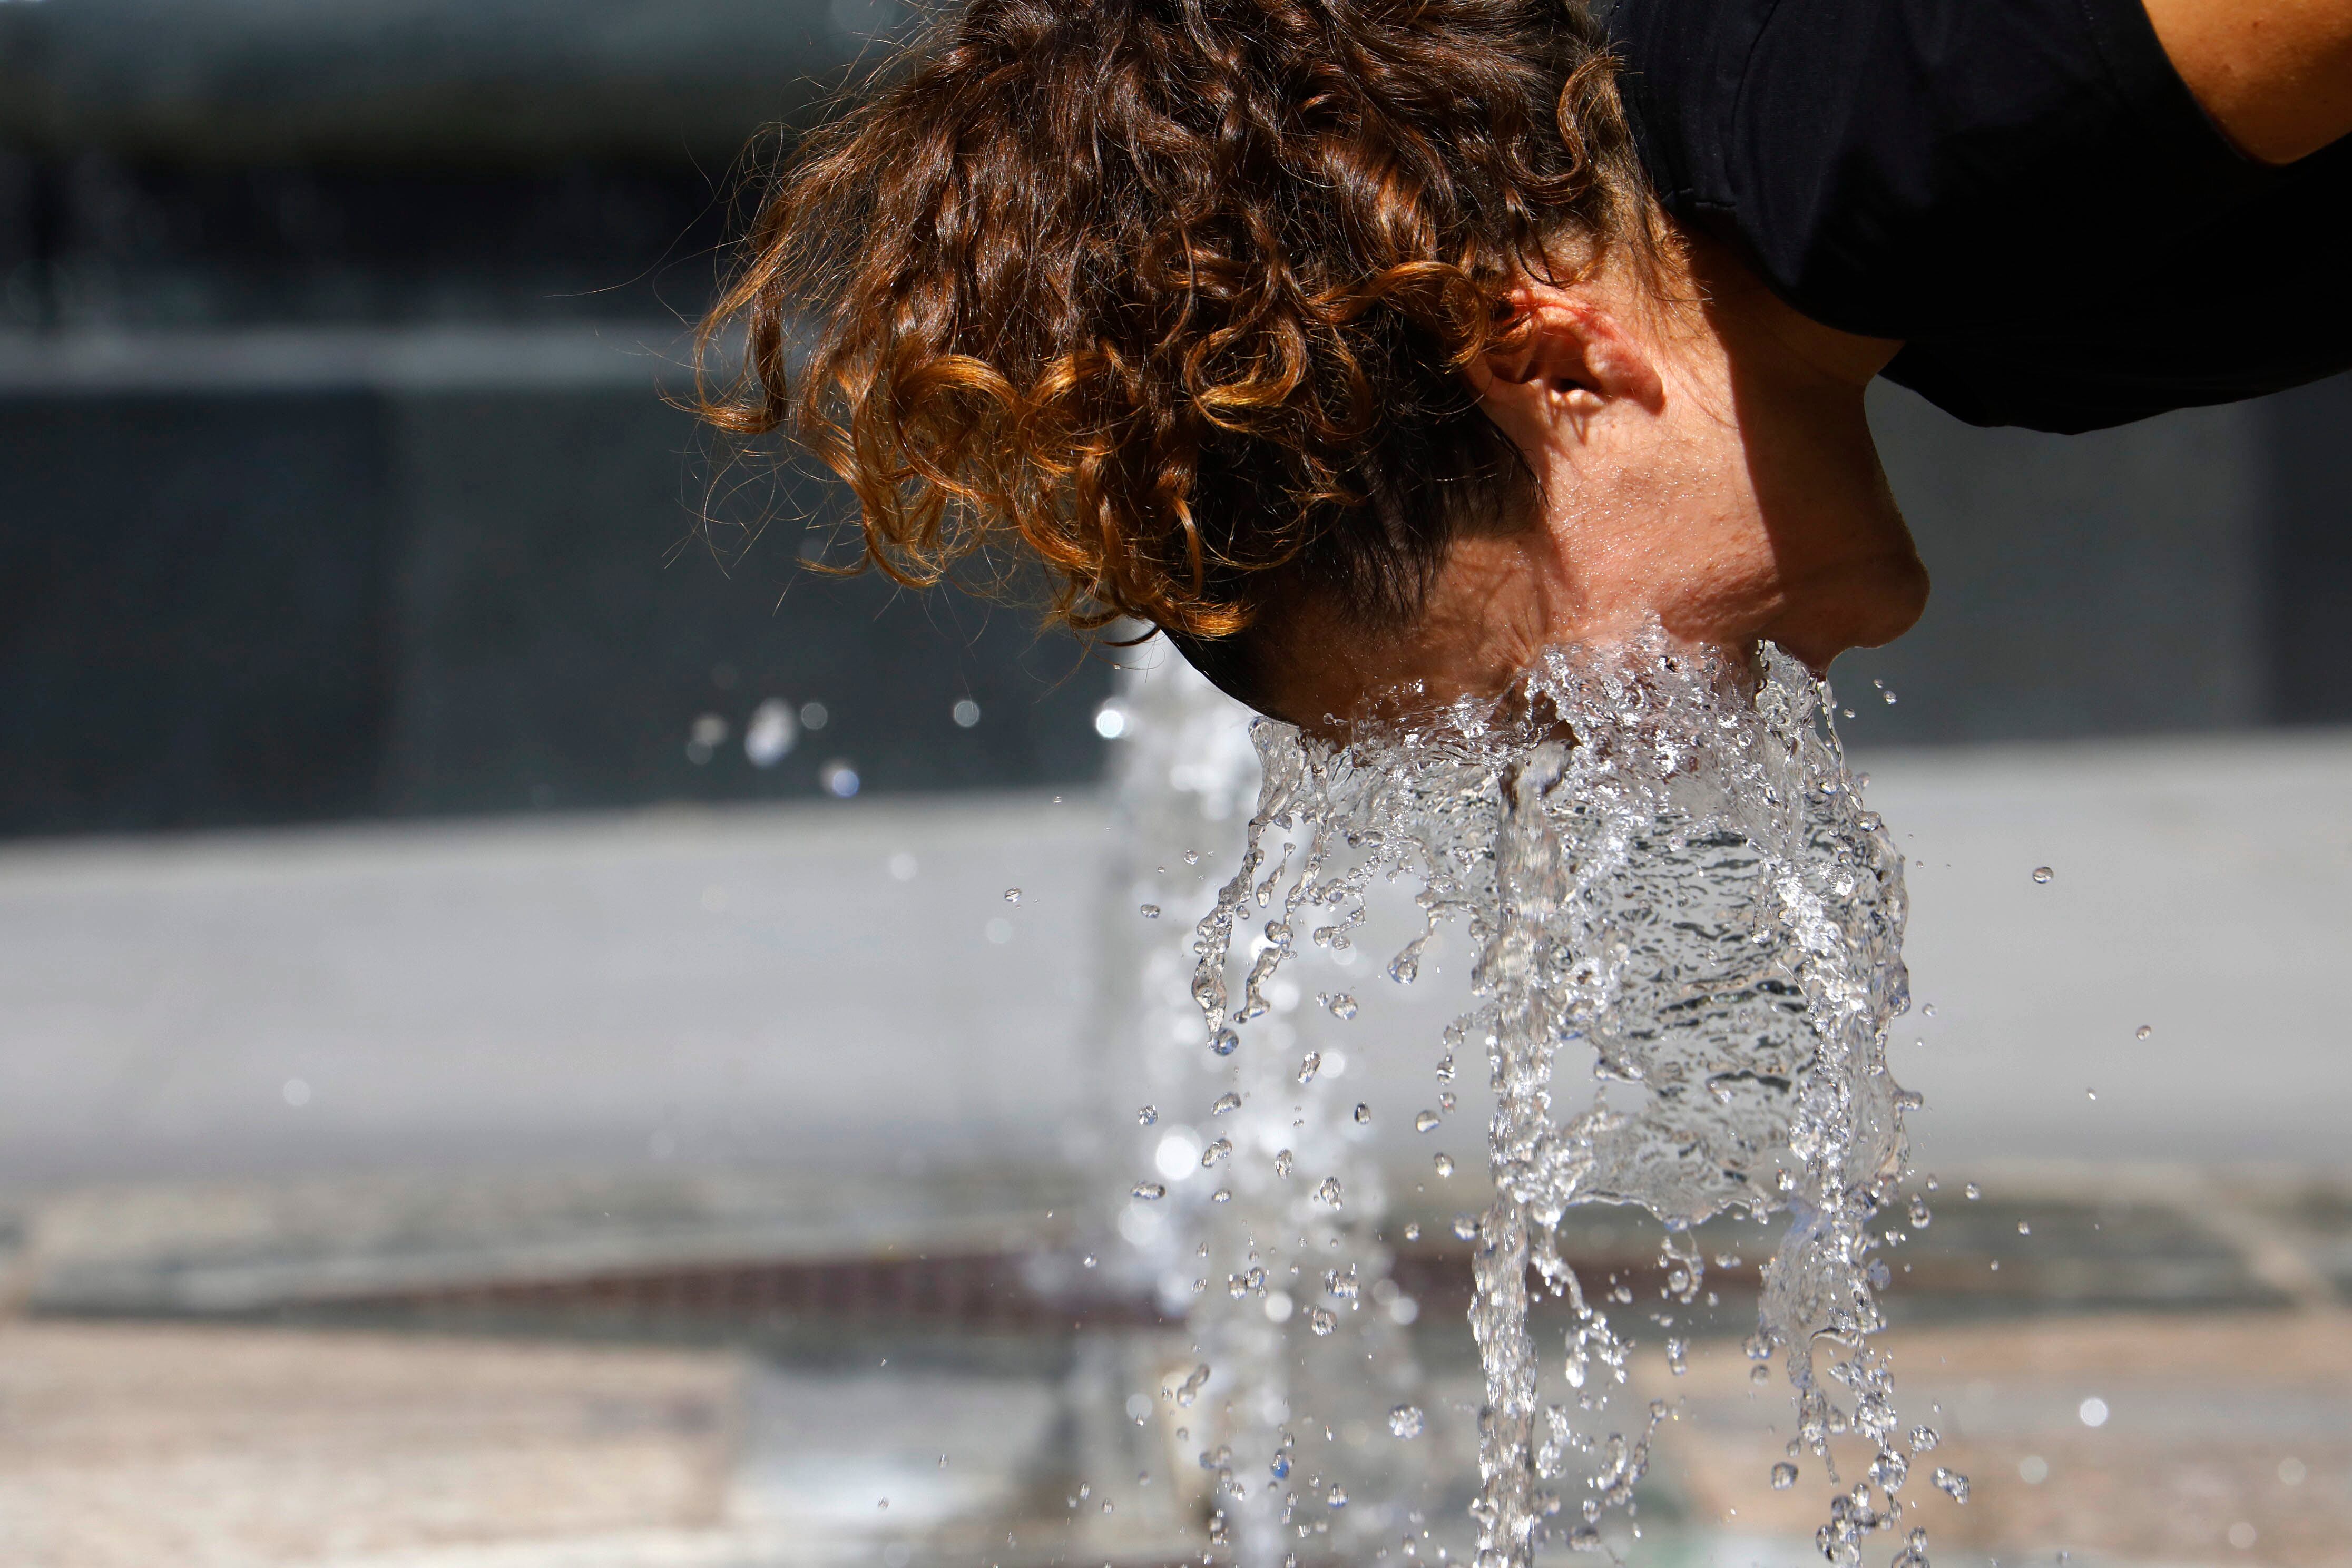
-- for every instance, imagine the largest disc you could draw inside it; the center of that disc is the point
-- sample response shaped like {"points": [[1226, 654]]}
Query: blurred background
{"points": [[513, 1045]]}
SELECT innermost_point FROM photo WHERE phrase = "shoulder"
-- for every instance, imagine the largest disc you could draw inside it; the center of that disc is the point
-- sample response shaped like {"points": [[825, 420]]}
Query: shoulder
{"points": [[1872, 157]]}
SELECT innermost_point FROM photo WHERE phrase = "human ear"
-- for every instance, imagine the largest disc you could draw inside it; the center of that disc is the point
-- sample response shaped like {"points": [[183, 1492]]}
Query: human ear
{"points": [[1566, 362]]}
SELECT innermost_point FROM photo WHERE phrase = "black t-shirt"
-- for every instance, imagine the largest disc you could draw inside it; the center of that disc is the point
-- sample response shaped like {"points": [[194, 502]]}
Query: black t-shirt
{"points": [[2023, 191]]}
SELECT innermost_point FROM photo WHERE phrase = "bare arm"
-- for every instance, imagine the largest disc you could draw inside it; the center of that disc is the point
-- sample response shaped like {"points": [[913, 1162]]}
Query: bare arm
{"points": [[2275, 74]]}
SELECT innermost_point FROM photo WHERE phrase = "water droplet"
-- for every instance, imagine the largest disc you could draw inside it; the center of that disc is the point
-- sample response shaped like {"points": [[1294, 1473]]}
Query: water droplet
{"points": [[1425, 1120], [1444, 1165], [1890, 698], [966, 713], [1972, 1192], [1466, 1226], [1322, 1321], [1011, 895], [1151, 911], [1951, 1483], [1224, 1042], [1929, 1009], [1924, 1440], [1283, 1161], [1090, 1260], [1405, 1421], [1147, 1115], [771, 734], [1336, 1497], [1192, 857], [2024, 1228], [1222, 1195], [1215, 1151], [2091, 1094], [2143, 1032], [2092, 1412], [1343, 1006], [1149, 1191], [1921, 1215], [1364, 1114], [1412, 1230], [1889, 1470], [1678, 1356], [1328, 1192], [1784, 1476], [1760, 1375], [704, 737], [1224, 1102], [1308, 1066], [2041, 873]]}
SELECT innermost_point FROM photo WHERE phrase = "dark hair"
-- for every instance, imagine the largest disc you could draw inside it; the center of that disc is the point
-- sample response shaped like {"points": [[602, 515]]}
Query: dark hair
{"points": [[1178, 293]]}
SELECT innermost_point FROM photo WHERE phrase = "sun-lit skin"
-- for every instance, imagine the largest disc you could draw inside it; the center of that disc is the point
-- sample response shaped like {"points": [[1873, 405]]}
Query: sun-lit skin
{"points": [[2275, 74], [1701, 456]]}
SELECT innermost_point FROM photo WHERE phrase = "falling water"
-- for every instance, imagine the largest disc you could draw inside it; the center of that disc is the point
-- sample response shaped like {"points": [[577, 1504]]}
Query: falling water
{"points": [[1292, 1327], [1661, 859]]}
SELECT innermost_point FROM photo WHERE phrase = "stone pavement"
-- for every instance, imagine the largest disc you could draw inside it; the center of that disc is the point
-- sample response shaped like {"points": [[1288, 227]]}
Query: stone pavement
{"points": [[2224, 1439], [2218, 1440]]}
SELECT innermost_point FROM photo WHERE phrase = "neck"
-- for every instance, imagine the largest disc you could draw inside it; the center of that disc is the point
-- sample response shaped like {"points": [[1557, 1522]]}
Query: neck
{"points": [[1739, 306]]}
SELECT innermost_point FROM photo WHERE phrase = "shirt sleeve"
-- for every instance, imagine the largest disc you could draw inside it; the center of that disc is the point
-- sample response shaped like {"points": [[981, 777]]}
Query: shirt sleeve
{"points": [[1907, 168]]}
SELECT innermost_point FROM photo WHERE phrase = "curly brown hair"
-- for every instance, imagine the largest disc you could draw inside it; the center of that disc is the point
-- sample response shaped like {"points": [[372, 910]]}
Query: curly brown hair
{"points": [[1178, 293]]}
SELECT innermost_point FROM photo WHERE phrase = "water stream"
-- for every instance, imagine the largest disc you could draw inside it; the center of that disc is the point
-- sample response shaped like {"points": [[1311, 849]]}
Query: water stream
{"points": [[1295, 1331], [1688, 933]]}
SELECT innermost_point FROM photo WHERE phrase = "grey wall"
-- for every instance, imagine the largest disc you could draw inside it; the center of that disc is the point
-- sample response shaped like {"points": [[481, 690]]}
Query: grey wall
{"points": [[2307, 450], [561, 622], [192, 615], [236, 81], [2178, 575], [224, 605]]}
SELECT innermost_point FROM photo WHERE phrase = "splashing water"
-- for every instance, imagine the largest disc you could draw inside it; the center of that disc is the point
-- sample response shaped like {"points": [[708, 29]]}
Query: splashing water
{"points": [[1263, 1237], [1662, 862]]}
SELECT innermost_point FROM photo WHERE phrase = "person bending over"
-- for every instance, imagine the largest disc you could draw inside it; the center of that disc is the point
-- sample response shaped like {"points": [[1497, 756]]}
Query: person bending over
{"points": [[1360, 344]]}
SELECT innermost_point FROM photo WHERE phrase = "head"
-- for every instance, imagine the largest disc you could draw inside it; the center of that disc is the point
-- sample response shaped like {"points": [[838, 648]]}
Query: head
{"points": [[1339, 340]]}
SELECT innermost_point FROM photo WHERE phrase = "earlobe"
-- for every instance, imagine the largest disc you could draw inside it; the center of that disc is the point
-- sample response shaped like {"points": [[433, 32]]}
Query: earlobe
{"points": [[1621, 366]]}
